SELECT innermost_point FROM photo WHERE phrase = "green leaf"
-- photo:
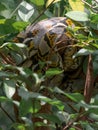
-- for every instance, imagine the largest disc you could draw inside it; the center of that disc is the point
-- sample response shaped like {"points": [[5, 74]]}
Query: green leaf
{"points": [[50, 1], [76, 97], [26, 95], [88, 127], [4, 99], [27, 106], [93, 116], [19, 126], [90, 108], [6, 26], [78, 16], [49, 117], [72, 129], [57, 103], [83, 52], [94, 21], [19, 25], [25, 11], [9, 88], [14, 47], [48, 13], [53, 71], [4, 74], [96, 99], [38, 2], [94, 18], [2, 7], [77, 5]]}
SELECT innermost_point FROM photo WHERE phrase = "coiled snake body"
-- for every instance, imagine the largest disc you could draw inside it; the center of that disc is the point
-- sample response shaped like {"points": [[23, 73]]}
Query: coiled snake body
{"points": [[51, 42]]}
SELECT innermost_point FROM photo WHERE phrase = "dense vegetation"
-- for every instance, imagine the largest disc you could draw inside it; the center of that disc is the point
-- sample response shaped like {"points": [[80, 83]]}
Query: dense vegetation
{"points": [[70, 111]]}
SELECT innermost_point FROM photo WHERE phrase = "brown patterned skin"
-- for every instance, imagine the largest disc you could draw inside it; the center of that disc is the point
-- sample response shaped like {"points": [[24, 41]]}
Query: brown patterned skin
{"points": [[51, 42]]}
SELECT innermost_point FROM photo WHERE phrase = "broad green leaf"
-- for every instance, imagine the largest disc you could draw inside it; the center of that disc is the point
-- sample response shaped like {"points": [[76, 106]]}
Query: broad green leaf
{"points": [[19, 126], [57, 103], [78, 16], [94, 21], [76, 97], [25, 11], [49, 117], [48, 13], [14, 47], [26, 95], [2, 7], [83, 52], [38, 2], [53, 71], [4, 74], [6, 13], [77, 5], [40, 124], [96, 99], [90, 108], [2, 17], [50, 1], [9, 88], [2, 21], [88, 127], [4, 99], [28, 106], [22, 75], [72, 129], [19, 25], [93, 116], [9, 4], [94, 18], [6, 26]]}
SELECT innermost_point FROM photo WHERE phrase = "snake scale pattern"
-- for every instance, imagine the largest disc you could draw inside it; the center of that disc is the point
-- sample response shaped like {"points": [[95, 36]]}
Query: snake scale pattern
{"points": [[49, 41]]}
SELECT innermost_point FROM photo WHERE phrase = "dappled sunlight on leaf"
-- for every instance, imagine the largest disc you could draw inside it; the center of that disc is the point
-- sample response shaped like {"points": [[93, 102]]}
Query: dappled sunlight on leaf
{"points": [[77, 5], [78, 16], [50, 1]]}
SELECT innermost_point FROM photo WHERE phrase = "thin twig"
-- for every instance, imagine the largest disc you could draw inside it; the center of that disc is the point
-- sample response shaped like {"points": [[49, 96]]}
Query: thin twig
{"points": [[79, 116], [73, 108], [91, 6]]}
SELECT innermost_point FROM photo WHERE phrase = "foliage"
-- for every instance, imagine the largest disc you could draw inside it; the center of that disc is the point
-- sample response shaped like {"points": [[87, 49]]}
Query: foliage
{"points": [[16, 15]]}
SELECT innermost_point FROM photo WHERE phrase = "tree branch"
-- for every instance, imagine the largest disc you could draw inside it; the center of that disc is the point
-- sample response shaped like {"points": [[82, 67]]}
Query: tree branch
{"points": [[89, 84]]}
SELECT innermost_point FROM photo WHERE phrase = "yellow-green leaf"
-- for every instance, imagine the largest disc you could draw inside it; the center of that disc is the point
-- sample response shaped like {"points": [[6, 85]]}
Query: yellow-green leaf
{"points": [[50, 1], [77, 5]]}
